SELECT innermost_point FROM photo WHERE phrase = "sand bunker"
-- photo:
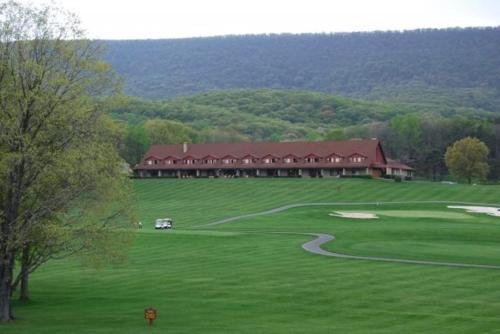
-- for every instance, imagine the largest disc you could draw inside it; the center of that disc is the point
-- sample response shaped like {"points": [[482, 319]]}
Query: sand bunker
{"points": [[491, 211], [442, 214], [356, 215]]}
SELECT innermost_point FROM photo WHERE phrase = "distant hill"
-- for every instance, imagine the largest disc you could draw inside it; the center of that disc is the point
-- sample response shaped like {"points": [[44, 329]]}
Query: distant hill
{"points": [[452, 67]]}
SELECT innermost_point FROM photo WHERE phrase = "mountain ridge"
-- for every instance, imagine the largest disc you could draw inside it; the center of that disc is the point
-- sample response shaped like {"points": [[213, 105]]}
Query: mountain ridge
{"points": [[456, 66]]}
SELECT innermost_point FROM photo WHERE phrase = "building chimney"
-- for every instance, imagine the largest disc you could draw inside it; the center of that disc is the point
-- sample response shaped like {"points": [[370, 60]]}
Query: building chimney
{"points": [[184, 147]]}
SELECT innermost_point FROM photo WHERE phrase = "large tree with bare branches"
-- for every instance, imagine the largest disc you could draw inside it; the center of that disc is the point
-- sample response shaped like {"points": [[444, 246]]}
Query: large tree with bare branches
{"points": [[60, 175]]}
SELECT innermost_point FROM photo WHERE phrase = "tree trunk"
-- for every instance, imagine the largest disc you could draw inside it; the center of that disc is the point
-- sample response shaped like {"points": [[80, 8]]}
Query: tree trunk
{"points": [[6, 274], [24, 293]]}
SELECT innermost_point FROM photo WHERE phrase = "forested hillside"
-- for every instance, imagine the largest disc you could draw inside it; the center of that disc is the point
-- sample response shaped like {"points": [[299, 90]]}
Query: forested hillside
{"points": [[276, 115], [459, 68]]}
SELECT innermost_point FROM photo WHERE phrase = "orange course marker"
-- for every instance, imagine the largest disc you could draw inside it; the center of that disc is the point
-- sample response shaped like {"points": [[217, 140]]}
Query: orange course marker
{"points": [[150, 315]]}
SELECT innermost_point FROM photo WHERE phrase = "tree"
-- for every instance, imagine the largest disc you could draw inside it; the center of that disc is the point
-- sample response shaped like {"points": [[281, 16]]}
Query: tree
{"points": [[135, 144], [467, 158], [161, 131], [335, 134], [406, 132], [60, 174]]}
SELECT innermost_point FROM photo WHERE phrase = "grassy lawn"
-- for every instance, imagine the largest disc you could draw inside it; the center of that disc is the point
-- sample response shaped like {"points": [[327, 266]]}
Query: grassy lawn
{"points": [[426, 232], [193, 202], [240, 278]]}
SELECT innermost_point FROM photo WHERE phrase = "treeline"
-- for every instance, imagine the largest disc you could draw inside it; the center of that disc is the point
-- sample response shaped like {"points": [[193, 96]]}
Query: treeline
{"points": [[417, 137], [263, 115], [421, 141], [454, 67], [418, 141]]}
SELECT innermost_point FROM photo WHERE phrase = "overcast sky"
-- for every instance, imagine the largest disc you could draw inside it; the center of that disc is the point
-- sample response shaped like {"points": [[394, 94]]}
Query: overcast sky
{"points": [[141, 19]]}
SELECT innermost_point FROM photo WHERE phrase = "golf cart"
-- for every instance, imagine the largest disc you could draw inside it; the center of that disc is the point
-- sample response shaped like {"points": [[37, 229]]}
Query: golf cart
{"points": [[163, 224]]}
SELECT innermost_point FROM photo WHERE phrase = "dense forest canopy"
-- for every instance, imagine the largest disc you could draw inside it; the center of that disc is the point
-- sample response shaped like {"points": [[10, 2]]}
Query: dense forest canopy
{"points": [[276, 115], [457, 67]]}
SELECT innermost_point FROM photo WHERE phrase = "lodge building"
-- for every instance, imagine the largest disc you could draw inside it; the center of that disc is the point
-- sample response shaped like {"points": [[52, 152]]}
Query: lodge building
{"points": [[272, 159]]}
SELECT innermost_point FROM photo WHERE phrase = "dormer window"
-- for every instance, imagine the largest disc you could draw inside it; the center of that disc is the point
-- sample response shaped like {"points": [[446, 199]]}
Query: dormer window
{"points": [[248, 159], [152, 160], [169, 160], [311, 158], [290, 159], [209, 160], [189, 160], [334, 159], [356, 158], [229, 159], [269, 159]]}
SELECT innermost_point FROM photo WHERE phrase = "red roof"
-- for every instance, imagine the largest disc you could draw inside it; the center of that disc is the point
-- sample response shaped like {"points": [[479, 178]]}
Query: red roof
{"points": [[370, 149], [397, 165]]}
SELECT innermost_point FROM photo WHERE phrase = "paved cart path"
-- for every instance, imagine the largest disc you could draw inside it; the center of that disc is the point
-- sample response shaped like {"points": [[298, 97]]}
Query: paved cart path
{"points": [[314, 246]]}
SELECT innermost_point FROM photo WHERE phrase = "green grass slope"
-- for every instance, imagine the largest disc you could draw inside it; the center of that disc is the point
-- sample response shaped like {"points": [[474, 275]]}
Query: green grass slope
{"points": [[411, 231], [239, 278], [198, 201]]}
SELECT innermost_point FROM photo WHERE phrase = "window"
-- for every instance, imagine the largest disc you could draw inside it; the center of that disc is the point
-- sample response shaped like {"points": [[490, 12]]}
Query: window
{"points": [[149, 162], [189, 161], [334, 159], [168, 162], [357, 159], [269, 160], [210, 161], [228, 161], [311, 159], [289, 160], [247, 161]]}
